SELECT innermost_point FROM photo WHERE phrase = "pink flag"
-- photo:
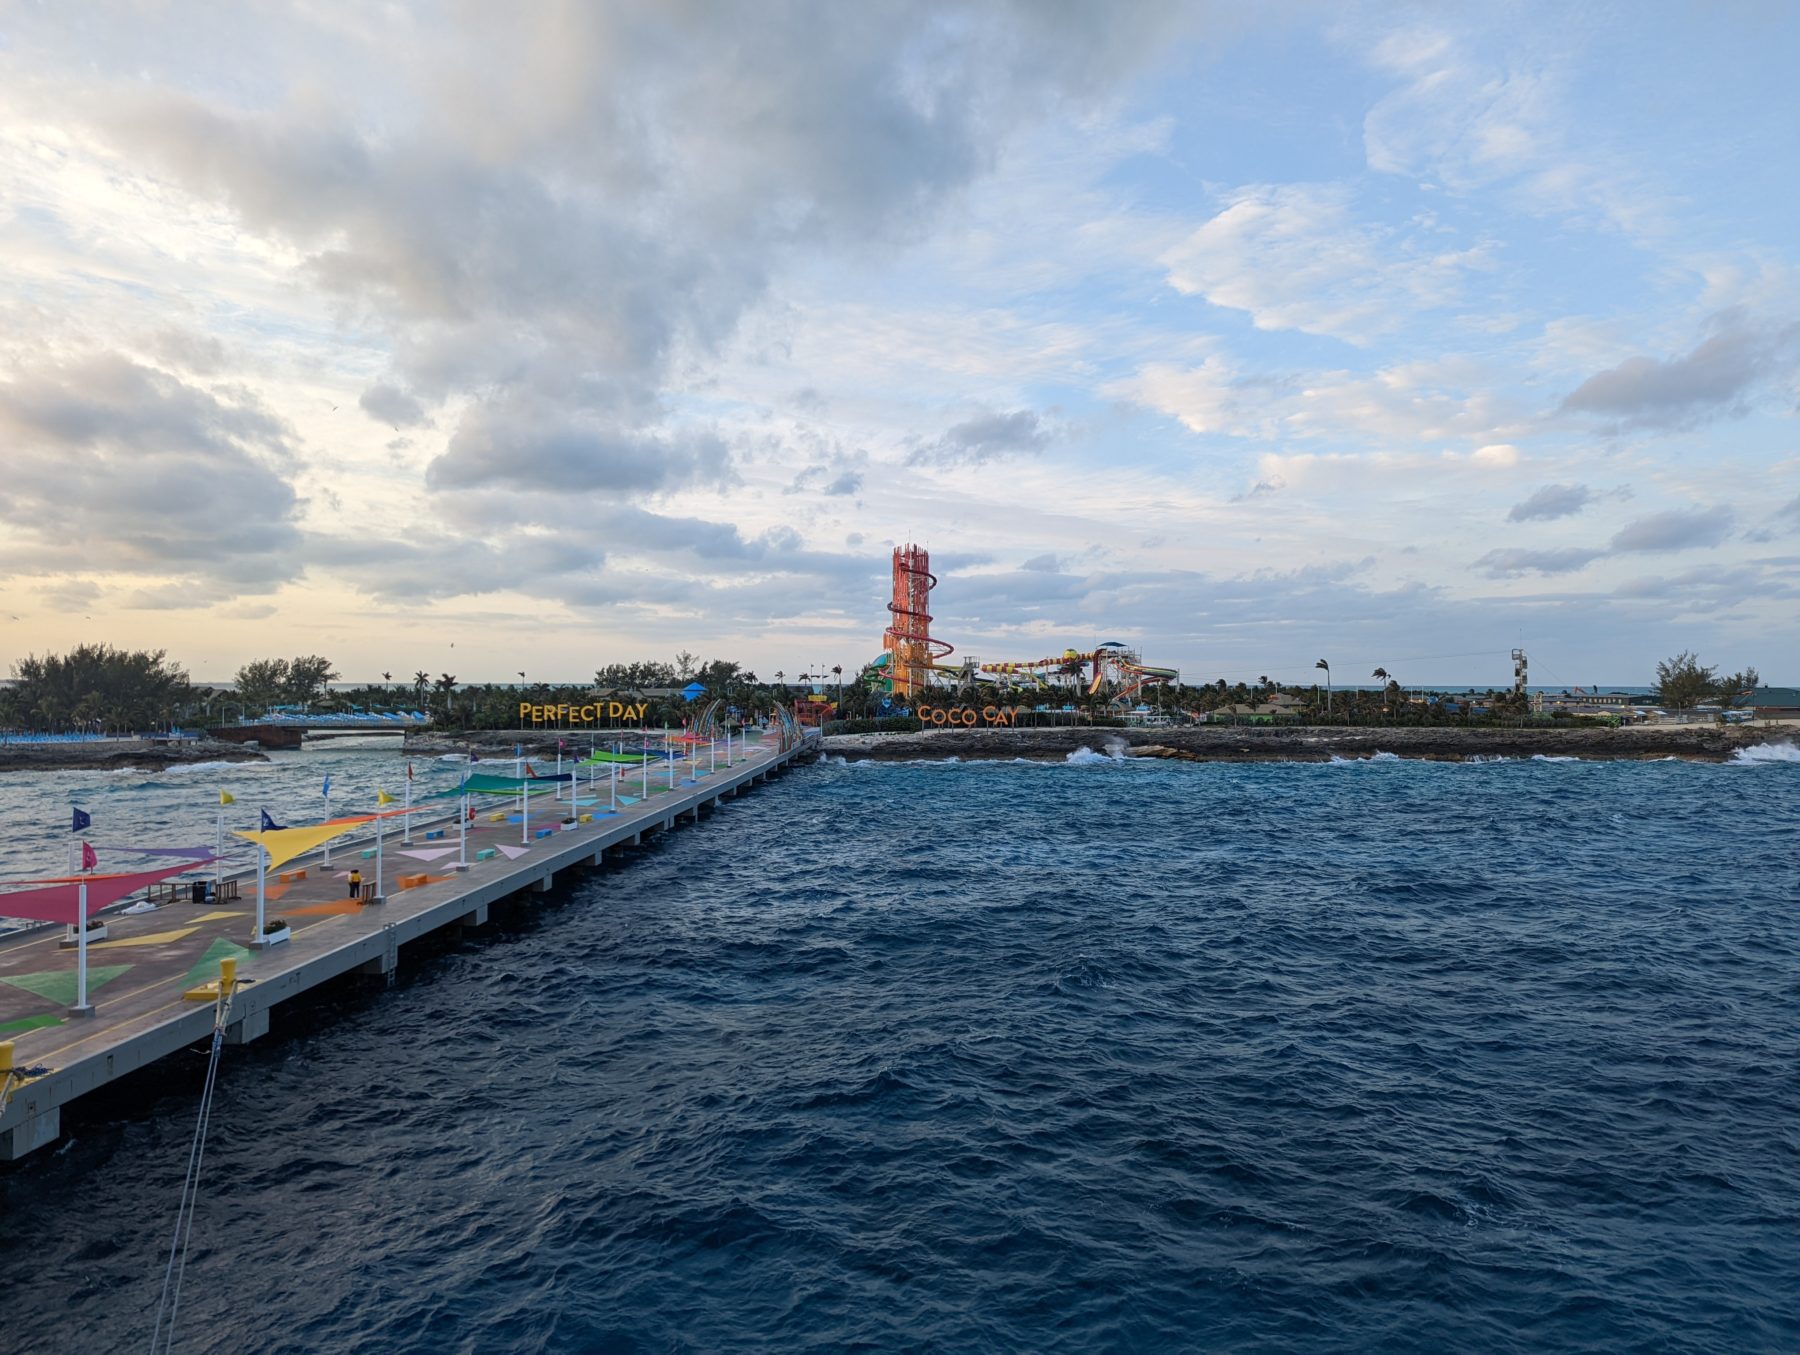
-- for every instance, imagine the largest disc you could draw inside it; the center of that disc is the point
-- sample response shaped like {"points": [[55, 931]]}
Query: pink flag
{"points": [[88, 860]]}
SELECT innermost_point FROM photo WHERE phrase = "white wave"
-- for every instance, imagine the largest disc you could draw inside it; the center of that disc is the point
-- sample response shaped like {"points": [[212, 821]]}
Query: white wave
{"points": [[1763, 754], [1114, 753], [197, 768], [453, 757], [1553, 757]]}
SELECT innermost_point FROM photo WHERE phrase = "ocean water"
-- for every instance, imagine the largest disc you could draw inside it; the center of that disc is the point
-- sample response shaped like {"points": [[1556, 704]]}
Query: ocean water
{"points": [[1101, 1055]]}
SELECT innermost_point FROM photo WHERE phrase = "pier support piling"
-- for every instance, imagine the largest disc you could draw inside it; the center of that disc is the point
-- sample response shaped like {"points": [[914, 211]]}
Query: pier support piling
{"points": [[30, 1134], [251, 1027]]}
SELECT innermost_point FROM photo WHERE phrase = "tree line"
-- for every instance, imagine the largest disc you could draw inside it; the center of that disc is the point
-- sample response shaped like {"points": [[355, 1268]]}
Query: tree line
{"points": [[104, 689], [95, 689]]}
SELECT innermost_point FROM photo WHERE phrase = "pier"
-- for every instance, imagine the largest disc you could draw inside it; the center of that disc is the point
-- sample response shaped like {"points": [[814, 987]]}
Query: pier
{"points": [[147, 979]]}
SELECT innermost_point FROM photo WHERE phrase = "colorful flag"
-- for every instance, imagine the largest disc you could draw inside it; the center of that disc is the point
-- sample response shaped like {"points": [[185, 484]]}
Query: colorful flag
{"points": [[409, 775], [88, 860], [82, 820], [382, 797], [269, 825], [327, 791], [227, 798]]}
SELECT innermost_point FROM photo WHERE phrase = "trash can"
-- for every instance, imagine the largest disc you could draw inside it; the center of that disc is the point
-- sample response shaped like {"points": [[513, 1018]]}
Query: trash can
{"points": [[199, 891]]}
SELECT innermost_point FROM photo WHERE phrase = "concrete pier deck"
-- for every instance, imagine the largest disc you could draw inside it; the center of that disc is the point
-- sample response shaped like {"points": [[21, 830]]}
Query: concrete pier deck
{"points": [[138, 975]]}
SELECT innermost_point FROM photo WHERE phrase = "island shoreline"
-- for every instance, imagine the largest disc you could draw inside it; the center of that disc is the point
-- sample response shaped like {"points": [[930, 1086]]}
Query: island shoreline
{"points": [[1307, 744]]}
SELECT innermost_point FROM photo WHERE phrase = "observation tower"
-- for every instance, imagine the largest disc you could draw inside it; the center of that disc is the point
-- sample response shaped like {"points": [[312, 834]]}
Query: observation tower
{"points": [[908, 639]]}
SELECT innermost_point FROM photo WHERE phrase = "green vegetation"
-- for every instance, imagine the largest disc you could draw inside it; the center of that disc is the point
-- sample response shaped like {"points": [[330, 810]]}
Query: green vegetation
{"points": [[95, 688], [1683, 682], [263, 683]]}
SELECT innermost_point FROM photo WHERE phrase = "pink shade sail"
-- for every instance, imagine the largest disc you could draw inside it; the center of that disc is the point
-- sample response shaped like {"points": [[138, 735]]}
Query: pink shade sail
{"points": [[62, 902]]}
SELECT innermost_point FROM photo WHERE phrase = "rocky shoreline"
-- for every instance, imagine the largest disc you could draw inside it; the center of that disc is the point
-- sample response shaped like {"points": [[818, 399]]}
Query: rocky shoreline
{"points": [[1208, 743], [115, 753]]}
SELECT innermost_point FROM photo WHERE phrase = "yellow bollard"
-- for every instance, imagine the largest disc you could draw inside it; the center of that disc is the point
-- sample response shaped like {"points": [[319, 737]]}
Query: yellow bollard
{"points": [[227, 974], [6, 1062]]}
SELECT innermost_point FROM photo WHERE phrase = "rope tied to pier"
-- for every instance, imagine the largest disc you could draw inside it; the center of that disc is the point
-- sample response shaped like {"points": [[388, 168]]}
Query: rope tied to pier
{"points": [[170, 1302]]}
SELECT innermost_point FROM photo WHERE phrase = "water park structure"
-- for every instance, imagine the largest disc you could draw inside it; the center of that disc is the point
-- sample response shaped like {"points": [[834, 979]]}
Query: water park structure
{"points": [[911, 665]]}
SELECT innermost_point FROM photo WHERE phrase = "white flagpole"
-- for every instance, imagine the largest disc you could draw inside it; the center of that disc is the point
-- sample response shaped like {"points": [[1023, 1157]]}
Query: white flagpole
{"points": [[462, 821], [219, 865], [559, 772], [524, 815], [406, 836], [380, 826], [669, 757], [328, 816], [262, 859], [81, 1002], [614, 779]]}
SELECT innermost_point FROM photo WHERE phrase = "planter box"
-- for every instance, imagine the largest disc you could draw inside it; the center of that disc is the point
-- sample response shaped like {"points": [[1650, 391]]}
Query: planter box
{"points": [[72, 941], [276, 937]]}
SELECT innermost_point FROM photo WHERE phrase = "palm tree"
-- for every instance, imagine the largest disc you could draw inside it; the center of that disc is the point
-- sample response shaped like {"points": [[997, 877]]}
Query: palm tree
{"points": [[421, 680], [1327, 667], [1381, 675]]}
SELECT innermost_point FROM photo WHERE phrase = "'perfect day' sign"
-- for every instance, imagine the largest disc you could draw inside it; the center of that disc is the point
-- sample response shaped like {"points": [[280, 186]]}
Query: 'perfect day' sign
{"points": [[591, 713]]}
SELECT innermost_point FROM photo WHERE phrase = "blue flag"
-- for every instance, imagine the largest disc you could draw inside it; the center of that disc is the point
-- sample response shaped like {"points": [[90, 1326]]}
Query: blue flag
{"points": [[82, 820], [269, 825], [327, 791]]}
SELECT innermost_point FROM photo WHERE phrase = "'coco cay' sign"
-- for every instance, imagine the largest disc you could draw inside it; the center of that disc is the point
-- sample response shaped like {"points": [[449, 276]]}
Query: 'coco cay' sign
{"points": [[581, 715], [971, 716]]}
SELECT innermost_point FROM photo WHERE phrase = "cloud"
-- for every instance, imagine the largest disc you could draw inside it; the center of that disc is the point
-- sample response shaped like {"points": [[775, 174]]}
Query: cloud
{"points": [[1508, 562], [1293, 257], [394, 407], [1680, 529], [1552, 502], [520, 444], [837, 476], [561, 211], [113, 466], [1714, 379], [986, 437], [1431, 400]]}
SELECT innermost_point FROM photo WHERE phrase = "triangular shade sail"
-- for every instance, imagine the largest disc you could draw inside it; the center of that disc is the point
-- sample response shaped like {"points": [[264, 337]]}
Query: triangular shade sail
{"points": [[482, 784], [633, 759], [284, 844], [62, 903]]}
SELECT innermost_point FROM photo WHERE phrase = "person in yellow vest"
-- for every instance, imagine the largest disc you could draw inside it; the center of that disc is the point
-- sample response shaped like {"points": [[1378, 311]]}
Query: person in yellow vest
{"points": [[355, 882]]}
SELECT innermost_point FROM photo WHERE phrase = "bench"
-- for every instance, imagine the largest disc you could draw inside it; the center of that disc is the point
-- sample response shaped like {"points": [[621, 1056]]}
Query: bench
{"points": [[487, 853], [412, 881], [435, 835], [289, 877], [497, 818], [544, 832]]}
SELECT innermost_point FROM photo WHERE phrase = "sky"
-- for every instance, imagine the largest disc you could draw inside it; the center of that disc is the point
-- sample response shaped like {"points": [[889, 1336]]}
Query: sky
{"points": [[483, 339]]}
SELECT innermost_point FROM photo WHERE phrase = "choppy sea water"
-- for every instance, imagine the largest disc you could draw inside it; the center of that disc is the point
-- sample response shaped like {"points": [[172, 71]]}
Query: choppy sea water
{"points": [[1092, 1056]]}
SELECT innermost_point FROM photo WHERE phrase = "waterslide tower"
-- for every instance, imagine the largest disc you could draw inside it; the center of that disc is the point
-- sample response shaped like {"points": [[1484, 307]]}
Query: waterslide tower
{"points": [[908, 640]]}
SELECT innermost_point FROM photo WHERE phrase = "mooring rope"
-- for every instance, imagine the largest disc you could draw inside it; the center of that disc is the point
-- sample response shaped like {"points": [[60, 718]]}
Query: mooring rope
{"points": [[170, 1302]]}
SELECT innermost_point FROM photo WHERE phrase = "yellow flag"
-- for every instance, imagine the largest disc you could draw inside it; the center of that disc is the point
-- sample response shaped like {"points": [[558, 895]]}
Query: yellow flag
{"points": [[382, 797], [227, 798]]}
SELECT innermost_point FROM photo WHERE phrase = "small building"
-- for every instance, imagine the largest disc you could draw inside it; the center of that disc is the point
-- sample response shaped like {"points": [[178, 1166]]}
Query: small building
{"points": [[1772, 703]]}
